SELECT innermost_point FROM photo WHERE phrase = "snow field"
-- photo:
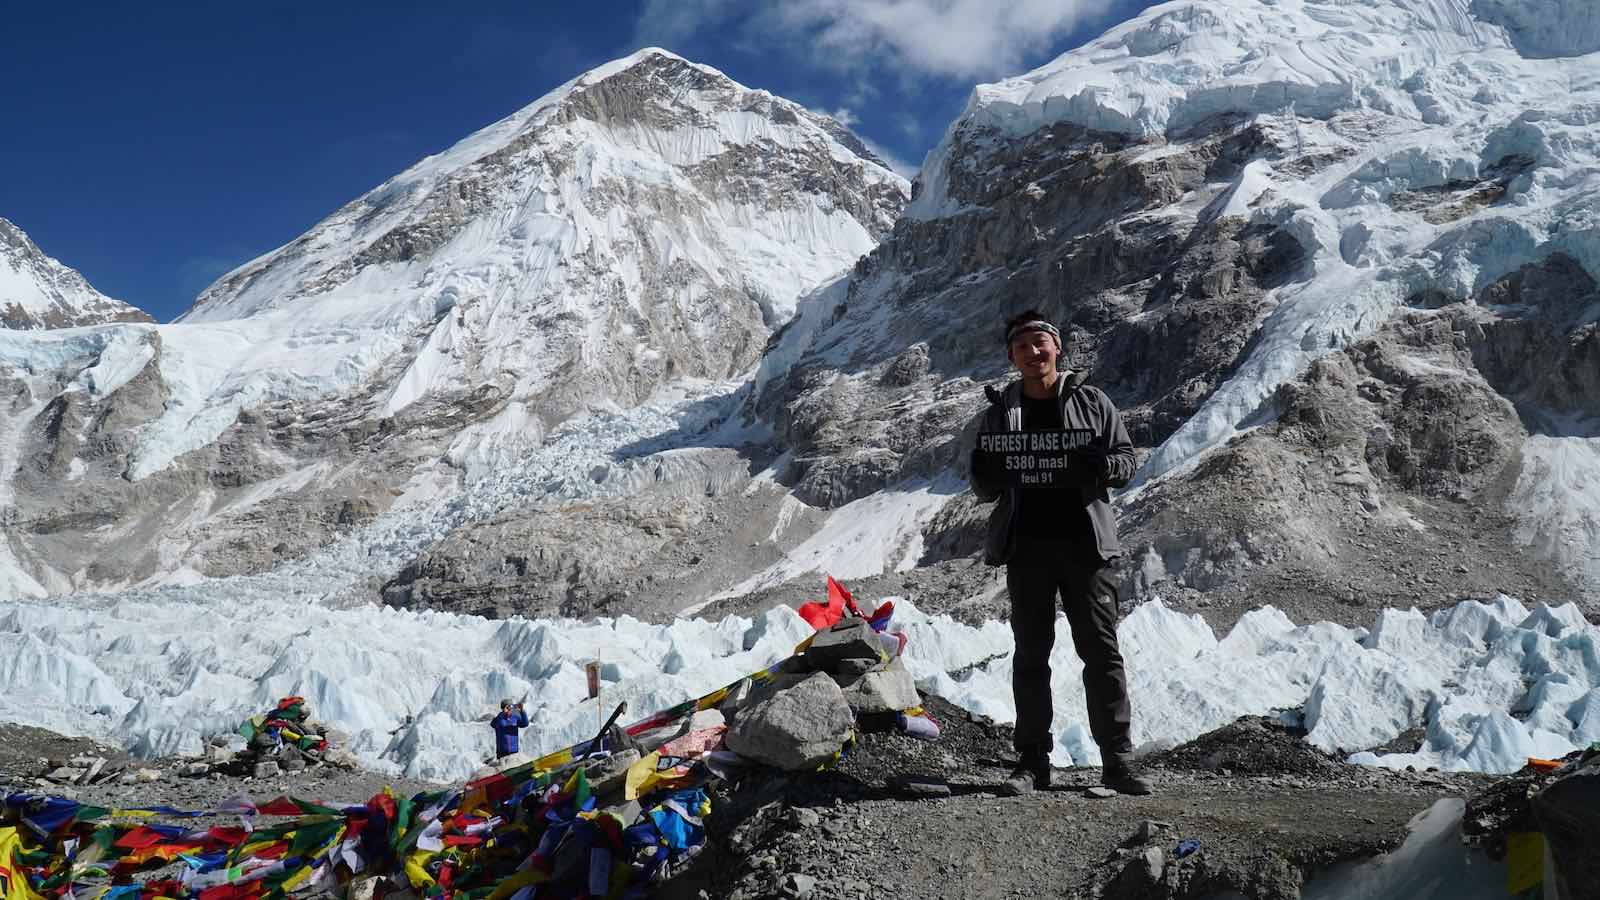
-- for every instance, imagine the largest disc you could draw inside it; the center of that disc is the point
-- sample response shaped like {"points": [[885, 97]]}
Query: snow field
{"points": [[877, 534]]}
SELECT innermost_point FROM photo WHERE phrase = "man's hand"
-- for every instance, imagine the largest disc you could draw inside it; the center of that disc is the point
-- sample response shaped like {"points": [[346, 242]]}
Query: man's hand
{"points": [[983, 466], [1089, 462]]}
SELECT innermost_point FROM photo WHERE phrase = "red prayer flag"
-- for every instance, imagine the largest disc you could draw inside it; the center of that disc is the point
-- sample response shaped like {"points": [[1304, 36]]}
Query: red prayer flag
{"points": [[233, 837], [838, 593], [242, 891], [495, 788], [280, 806], [166, 887], [825, 615], [880, 616], [385, 804], [140, 838]]}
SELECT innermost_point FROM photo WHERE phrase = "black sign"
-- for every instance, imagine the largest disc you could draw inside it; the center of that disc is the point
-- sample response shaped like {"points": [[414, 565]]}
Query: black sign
{"points": [[1034, 459]]}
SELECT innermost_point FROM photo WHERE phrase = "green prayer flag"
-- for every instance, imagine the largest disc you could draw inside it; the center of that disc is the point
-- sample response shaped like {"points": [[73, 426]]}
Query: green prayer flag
{"points": [[402, 824], [312, 836]]}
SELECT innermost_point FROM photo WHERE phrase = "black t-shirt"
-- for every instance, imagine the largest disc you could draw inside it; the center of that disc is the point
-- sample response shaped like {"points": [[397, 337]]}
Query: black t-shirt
{"points": [[1053, 514]]}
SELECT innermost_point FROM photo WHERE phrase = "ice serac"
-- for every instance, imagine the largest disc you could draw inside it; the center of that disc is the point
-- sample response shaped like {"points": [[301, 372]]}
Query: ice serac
{"points": [[37, 291], [1214, 199], [160, 671], [647, 225]]}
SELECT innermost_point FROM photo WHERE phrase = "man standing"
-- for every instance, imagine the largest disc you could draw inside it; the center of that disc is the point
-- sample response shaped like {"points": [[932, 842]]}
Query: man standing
{"points": [[1059, 540], [506, 725]]}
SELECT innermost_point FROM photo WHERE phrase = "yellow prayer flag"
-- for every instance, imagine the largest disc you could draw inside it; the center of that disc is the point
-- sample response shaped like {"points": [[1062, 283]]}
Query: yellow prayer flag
{"points": [[640, 775], [1524, 861], [13, 884]]}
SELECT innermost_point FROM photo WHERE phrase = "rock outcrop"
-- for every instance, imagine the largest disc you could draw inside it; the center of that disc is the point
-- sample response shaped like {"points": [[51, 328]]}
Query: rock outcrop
{"points": [[1388, 470]]}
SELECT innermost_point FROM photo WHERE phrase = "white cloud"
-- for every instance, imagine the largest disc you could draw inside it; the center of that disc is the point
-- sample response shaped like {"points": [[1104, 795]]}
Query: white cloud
{"points": [[904, 41], [958, 38], [666, 22], [952, 38]]}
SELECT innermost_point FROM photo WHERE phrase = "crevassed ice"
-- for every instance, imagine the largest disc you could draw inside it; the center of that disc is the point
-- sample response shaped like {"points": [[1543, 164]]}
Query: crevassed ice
{"points": [[1493, 682]]}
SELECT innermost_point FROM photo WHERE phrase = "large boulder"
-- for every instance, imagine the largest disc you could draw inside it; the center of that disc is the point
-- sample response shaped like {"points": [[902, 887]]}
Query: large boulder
{"points": [[797, 728]]}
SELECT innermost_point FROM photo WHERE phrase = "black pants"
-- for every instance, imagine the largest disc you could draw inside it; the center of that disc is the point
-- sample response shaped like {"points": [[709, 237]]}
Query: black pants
{"points": [[1089, 595]]}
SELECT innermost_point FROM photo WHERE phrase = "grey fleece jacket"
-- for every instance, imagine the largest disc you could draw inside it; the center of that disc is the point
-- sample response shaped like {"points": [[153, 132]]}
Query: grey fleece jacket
{"points": [[1082, 406]]}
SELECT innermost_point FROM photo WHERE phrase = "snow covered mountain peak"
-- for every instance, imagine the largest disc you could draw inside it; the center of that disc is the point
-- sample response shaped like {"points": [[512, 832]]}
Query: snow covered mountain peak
{"points": [[649, 219], [632, 118], [37, 291]]}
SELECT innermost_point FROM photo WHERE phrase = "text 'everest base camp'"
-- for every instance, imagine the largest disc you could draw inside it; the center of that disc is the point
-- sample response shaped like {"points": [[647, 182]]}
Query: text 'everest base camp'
{"points": [[1189, 487]]}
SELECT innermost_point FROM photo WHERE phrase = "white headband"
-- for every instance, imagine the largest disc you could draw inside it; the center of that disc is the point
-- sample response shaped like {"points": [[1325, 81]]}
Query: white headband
{"points": [[1033, 325]]}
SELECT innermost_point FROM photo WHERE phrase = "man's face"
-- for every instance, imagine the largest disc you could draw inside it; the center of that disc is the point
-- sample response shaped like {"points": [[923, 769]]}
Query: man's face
{"points": [[1034, 354]]}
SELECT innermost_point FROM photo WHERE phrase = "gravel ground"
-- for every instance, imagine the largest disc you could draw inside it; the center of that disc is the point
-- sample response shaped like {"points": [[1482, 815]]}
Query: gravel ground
{"points": [[25, 752], [865, 829]]}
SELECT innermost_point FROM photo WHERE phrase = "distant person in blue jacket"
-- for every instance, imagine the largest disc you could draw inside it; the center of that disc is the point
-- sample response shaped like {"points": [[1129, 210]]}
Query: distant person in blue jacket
{"points": [[506, 725]]}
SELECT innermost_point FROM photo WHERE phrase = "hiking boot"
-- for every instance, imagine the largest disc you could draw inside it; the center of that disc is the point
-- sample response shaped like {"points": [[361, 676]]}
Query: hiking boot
{"points": [[1031, 774], [1119, 776]]}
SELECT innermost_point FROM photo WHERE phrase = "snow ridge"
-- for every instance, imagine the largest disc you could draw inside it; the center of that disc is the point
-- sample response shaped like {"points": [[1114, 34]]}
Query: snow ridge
{"points": [[37, 291]]}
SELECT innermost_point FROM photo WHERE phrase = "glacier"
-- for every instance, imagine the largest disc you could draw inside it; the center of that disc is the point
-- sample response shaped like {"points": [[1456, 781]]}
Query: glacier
{"points": [[1492, 682]]}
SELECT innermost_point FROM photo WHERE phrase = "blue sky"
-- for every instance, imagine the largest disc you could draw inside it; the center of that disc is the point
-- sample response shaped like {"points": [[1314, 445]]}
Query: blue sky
{"points": [[155, 146]]}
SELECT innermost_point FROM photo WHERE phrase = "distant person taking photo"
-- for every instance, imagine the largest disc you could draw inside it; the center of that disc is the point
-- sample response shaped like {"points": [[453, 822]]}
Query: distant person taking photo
{"points": [[506, 725], [1049, 449]]}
